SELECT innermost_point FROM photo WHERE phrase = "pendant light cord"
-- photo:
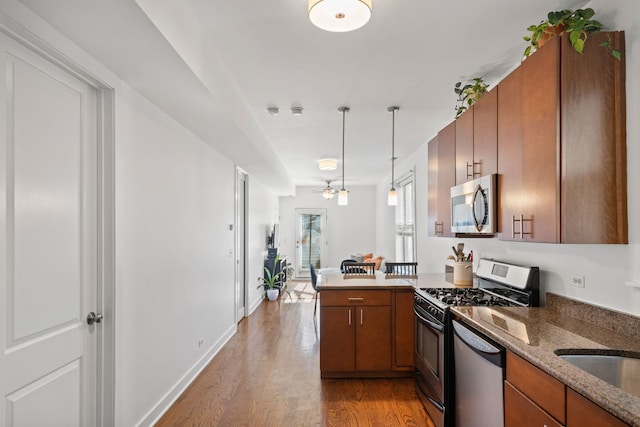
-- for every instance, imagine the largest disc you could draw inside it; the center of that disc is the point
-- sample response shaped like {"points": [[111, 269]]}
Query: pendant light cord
{"points": [[393, 143], [343, 113], [343, 110]]}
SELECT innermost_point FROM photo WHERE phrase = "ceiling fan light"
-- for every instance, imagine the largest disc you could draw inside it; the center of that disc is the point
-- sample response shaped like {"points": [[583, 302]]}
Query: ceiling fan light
{"points": [[339, 15], [328, 164], [343, 197], [328, 193], [392, 197]]}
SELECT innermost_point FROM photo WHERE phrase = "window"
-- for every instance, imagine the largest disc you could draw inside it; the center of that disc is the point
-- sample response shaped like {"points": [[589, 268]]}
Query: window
{"points": [[405, 229]]}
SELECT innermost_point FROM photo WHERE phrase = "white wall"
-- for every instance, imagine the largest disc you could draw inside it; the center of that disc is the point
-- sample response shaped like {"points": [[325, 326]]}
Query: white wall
{"points": [[606, 267], [263, 214], [174, 200], [174, 281], [351, 228]]}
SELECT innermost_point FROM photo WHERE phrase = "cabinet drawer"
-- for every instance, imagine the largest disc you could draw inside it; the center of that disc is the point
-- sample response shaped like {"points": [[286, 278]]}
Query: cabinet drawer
{"points": [[354, 297], [537, 385], [581, 412], [519, 411]]}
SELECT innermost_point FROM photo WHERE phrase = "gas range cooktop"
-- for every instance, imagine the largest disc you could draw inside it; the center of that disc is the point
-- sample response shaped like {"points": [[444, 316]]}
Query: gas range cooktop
{"points": [[499, 284], [473, 297]]}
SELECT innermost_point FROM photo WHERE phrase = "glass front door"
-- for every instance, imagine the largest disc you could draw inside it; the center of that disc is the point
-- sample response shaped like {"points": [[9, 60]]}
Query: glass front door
{"points": [[310, 241]]}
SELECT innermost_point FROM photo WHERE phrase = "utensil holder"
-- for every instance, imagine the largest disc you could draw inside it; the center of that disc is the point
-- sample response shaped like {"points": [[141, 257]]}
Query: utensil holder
{"points": [[463, 273]]}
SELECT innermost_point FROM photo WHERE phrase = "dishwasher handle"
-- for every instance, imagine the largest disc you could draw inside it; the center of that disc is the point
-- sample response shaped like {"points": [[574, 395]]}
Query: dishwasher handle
{"points": [[479, 344]]}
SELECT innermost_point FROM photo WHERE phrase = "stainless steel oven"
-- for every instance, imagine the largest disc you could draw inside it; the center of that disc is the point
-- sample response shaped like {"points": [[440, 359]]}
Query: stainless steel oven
{"points": [[430, 358], [497, 284]]}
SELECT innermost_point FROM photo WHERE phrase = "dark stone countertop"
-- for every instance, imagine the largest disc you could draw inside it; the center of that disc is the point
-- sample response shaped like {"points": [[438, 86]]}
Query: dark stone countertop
{"points": [[564, 324]]}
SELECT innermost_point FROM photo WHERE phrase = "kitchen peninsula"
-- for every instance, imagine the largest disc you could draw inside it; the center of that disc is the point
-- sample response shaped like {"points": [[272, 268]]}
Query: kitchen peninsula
{"points": [[367, 325]]}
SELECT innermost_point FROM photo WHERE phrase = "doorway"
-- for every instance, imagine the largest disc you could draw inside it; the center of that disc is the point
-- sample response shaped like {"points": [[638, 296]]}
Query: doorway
{"points": [[311, 243], [241, 240], [56, 239]]}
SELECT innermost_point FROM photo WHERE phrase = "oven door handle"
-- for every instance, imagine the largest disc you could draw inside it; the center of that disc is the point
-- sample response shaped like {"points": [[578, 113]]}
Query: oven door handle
{"points": [[428, 322]]}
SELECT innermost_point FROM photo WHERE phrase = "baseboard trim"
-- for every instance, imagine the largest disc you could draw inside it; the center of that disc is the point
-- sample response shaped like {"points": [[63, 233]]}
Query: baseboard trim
{"points": [[176, 391]]}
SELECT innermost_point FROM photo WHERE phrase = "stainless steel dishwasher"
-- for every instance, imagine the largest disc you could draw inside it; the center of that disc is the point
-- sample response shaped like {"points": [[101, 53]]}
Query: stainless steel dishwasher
{"points": [[479, 376]]}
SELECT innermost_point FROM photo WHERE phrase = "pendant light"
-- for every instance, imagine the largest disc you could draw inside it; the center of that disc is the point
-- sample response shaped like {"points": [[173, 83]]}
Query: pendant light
{"points": [[339, 15], [392, 198], [343, 195]]}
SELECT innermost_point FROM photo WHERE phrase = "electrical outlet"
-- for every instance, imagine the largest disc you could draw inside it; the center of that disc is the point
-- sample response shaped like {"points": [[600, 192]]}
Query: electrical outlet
{"points": [[200, 342], [577, 281]]}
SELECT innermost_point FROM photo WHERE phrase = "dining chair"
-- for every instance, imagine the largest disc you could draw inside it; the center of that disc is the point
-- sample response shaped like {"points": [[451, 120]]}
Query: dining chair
{"points": [[360, 270], [401, 270], [314, 283], [346, 261]]}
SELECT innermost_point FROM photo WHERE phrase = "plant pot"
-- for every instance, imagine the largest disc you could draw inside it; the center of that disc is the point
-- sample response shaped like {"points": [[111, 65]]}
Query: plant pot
{"points": [[550, 32], [272, 294]]}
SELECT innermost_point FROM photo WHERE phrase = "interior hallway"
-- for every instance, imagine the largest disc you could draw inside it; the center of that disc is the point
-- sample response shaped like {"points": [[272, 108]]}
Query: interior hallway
{"points": [[268, 374]]}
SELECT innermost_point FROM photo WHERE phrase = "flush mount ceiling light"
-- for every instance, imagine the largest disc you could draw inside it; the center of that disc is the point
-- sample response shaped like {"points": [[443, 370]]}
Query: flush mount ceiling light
{"points": [[296, 111], [343, 195], [339, 15], [273, 111], [392, 198], [328, 164]]}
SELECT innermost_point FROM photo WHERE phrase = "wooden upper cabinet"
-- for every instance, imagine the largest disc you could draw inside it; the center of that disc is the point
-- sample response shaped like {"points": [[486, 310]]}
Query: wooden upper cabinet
{"points": [[485, 134], [593, 134], [441, 171], [561, 146], [477, 139], [527, 148], [464, 147]]}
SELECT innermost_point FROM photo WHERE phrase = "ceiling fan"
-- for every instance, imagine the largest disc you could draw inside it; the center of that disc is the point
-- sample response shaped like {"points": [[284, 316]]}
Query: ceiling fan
{"points": [[328, 192]]}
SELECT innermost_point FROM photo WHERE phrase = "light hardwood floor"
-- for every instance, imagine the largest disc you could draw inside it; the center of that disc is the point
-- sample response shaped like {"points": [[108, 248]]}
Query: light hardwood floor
{"points": [[268, 375]]}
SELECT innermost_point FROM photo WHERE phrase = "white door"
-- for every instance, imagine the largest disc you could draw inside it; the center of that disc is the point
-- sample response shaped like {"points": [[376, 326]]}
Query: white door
{"points": [[311, 244], [241, 221], [48, 244]]}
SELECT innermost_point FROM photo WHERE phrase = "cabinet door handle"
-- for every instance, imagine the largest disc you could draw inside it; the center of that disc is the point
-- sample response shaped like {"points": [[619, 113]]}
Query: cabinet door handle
{"points": [[522, 221], [356, 299], [361, 316], [349, 317], [438, 228], [473, 173], [513, 226]]}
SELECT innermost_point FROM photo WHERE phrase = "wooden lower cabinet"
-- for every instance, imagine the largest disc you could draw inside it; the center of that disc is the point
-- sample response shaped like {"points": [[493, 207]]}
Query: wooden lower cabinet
{"points": [[404, 327], [582, 412], [520, 411], [358, 334], [532, 398], [540, 387]]}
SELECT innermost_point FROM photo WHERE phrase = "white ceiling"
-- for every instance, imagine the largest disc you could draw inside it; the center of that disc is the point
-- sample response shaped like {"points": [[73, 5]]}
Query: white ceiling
{"points": [[216, 66]]}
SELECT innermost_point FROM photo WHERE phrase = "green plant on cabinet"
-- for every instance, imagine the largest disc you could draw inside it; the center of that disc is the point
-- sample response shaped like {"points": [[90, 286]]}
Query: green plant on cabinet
{"points": [[577, 23], [469, 94]]}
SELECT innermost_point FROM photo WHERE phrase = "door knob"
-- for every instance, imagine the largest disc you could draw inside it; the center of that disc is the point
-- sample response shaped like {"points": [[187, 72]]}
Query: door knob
{"points": [[94, 318]]}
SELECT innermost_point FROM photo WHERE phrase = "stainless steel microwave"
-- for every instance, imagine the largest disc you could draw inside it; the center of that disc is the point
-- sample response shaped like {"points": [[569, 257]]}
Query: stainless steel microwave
{"points": [[474, 205]]}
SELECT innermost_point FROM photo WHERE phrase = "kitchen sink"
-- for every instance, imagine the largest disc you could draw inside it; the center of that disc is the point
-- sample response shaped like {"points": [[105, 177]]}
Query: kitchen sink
{"points": [[618, 368]]}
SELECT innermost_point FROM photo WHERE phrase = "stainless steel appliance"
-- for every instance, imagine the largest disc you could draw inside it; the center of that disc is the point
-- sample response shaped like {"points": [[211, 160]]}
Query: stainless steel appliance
{"points": [[479, 374], [498, 284], [473, 206]]}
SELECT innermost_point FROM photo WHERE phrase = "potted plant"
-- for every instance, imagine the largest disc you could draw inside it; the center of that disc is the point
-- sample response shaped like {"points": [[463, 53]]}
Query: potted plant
{"points": [[274, 281], [469, 94], [577, 23]]}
